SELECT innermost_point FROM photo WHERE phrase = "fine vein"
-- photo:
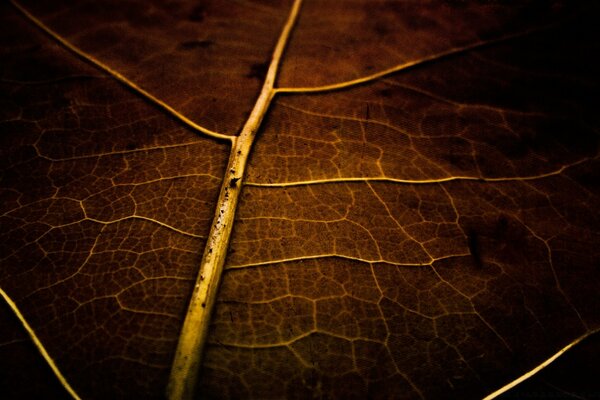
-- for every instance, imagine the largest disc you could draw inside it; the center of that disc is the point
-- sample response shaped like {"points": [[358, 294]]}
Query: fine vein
{"points": [[38, 344], [132, 85], [407, 65], [192, 339]]}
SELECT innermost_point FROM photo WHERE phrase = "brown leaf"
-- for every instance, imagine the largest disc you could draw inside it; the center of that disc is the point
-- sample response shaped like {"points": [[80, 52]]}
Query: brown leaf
{"points": [[417, 219]]}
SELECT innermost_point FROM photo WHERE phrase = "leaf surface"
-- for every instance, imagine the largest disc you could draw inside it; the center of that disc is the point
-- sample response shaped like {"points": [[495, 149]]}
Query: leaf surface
{"points": [[417, 218]]}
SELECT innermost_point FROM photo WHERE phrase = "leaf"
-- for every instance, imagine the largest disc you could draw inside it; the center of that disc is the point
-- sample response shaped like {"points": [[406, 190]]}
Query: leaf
{"points": [[571, 376], [416, 183]]}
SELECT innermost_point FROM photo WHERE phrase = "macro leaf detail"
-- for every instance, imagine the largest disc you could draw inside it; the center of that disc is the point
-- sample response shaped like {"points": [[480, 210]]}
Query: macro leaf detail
{"points": [[401, 196]]}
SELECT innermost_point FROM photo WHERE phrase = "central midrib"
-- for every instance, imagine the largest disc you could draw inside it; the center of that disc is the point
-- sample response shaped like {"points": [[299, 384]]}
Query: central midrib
{"points": [[192, 339]]}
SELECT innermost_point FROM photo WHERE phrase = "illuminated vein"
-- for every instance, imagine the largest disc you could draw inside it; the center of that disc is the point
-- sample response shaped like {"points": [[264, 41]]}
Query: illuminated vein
{"points": [[288, 343], [470, 298], [344, 118], [117, 152], [142, 218], [430, 262], [38, 344], [189, 351], [124, 80], [126, 218], [421, 181], [192, 339], [407, 65], [414, 89], [540, 367]]}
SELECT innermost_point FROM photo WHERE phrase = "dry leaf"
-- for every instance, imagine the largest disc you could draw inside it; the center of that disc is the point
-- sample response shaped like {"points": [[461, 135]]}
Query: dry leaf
{"points": [[417, 215]]}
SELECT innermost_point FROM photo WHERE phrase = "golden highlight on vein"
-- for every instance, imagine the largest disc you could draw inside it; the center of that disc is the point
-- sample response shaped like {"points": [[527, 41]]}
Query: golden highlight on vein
{"points": [[38, 344], [540, 367], [407, 65], [422, 181], [192, 339], [119, 77]]}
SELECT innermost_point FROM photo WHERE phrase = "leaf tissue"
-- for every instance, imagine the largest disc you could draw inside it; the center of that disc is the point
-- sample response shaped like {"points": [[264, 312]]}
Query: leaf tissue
{"points": [[298, 199]]}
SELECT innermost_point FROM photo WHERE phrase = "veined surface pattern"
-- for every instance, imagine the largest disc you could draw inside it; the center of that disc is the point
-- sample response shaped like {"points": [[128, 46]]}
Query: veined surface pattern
{"points": [[415, 220]]}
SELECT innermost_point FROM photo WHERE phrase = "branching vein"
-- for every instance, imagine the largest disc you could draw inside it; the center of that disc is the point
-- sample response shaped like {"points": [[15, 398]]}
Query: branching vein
{"points": [[406, 65], [132, 85], [192, 339]]}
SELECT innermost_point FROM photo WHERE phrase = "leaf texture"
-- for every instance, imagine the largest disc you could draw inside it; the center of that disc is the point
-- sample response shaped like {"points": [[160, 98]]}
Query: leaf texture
{"points": [[180, 51], [417, 218], [107, 204]]}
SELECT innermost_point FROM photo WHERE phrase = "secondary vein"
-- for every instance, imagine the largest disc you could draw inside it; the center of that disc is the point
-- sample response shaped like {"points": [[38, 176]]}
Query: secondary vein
{"points": [[406, 65], [121, 78], [38, 344]]}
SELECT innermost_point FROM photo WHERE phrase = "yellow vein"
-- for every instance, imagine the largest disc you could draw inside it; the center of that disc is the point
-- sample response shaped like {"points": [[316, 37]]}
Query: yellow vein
{"points": [[38, 344], [118, 152], [395, 128], [345, 118], [453, 51], [537, 369], [470, 299], [127, 218], [266, 346], [192, 339], [393, 218], [297, 338], [344, 257], [118, 76], [142, 218], [278, 298], [421, 181]]}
